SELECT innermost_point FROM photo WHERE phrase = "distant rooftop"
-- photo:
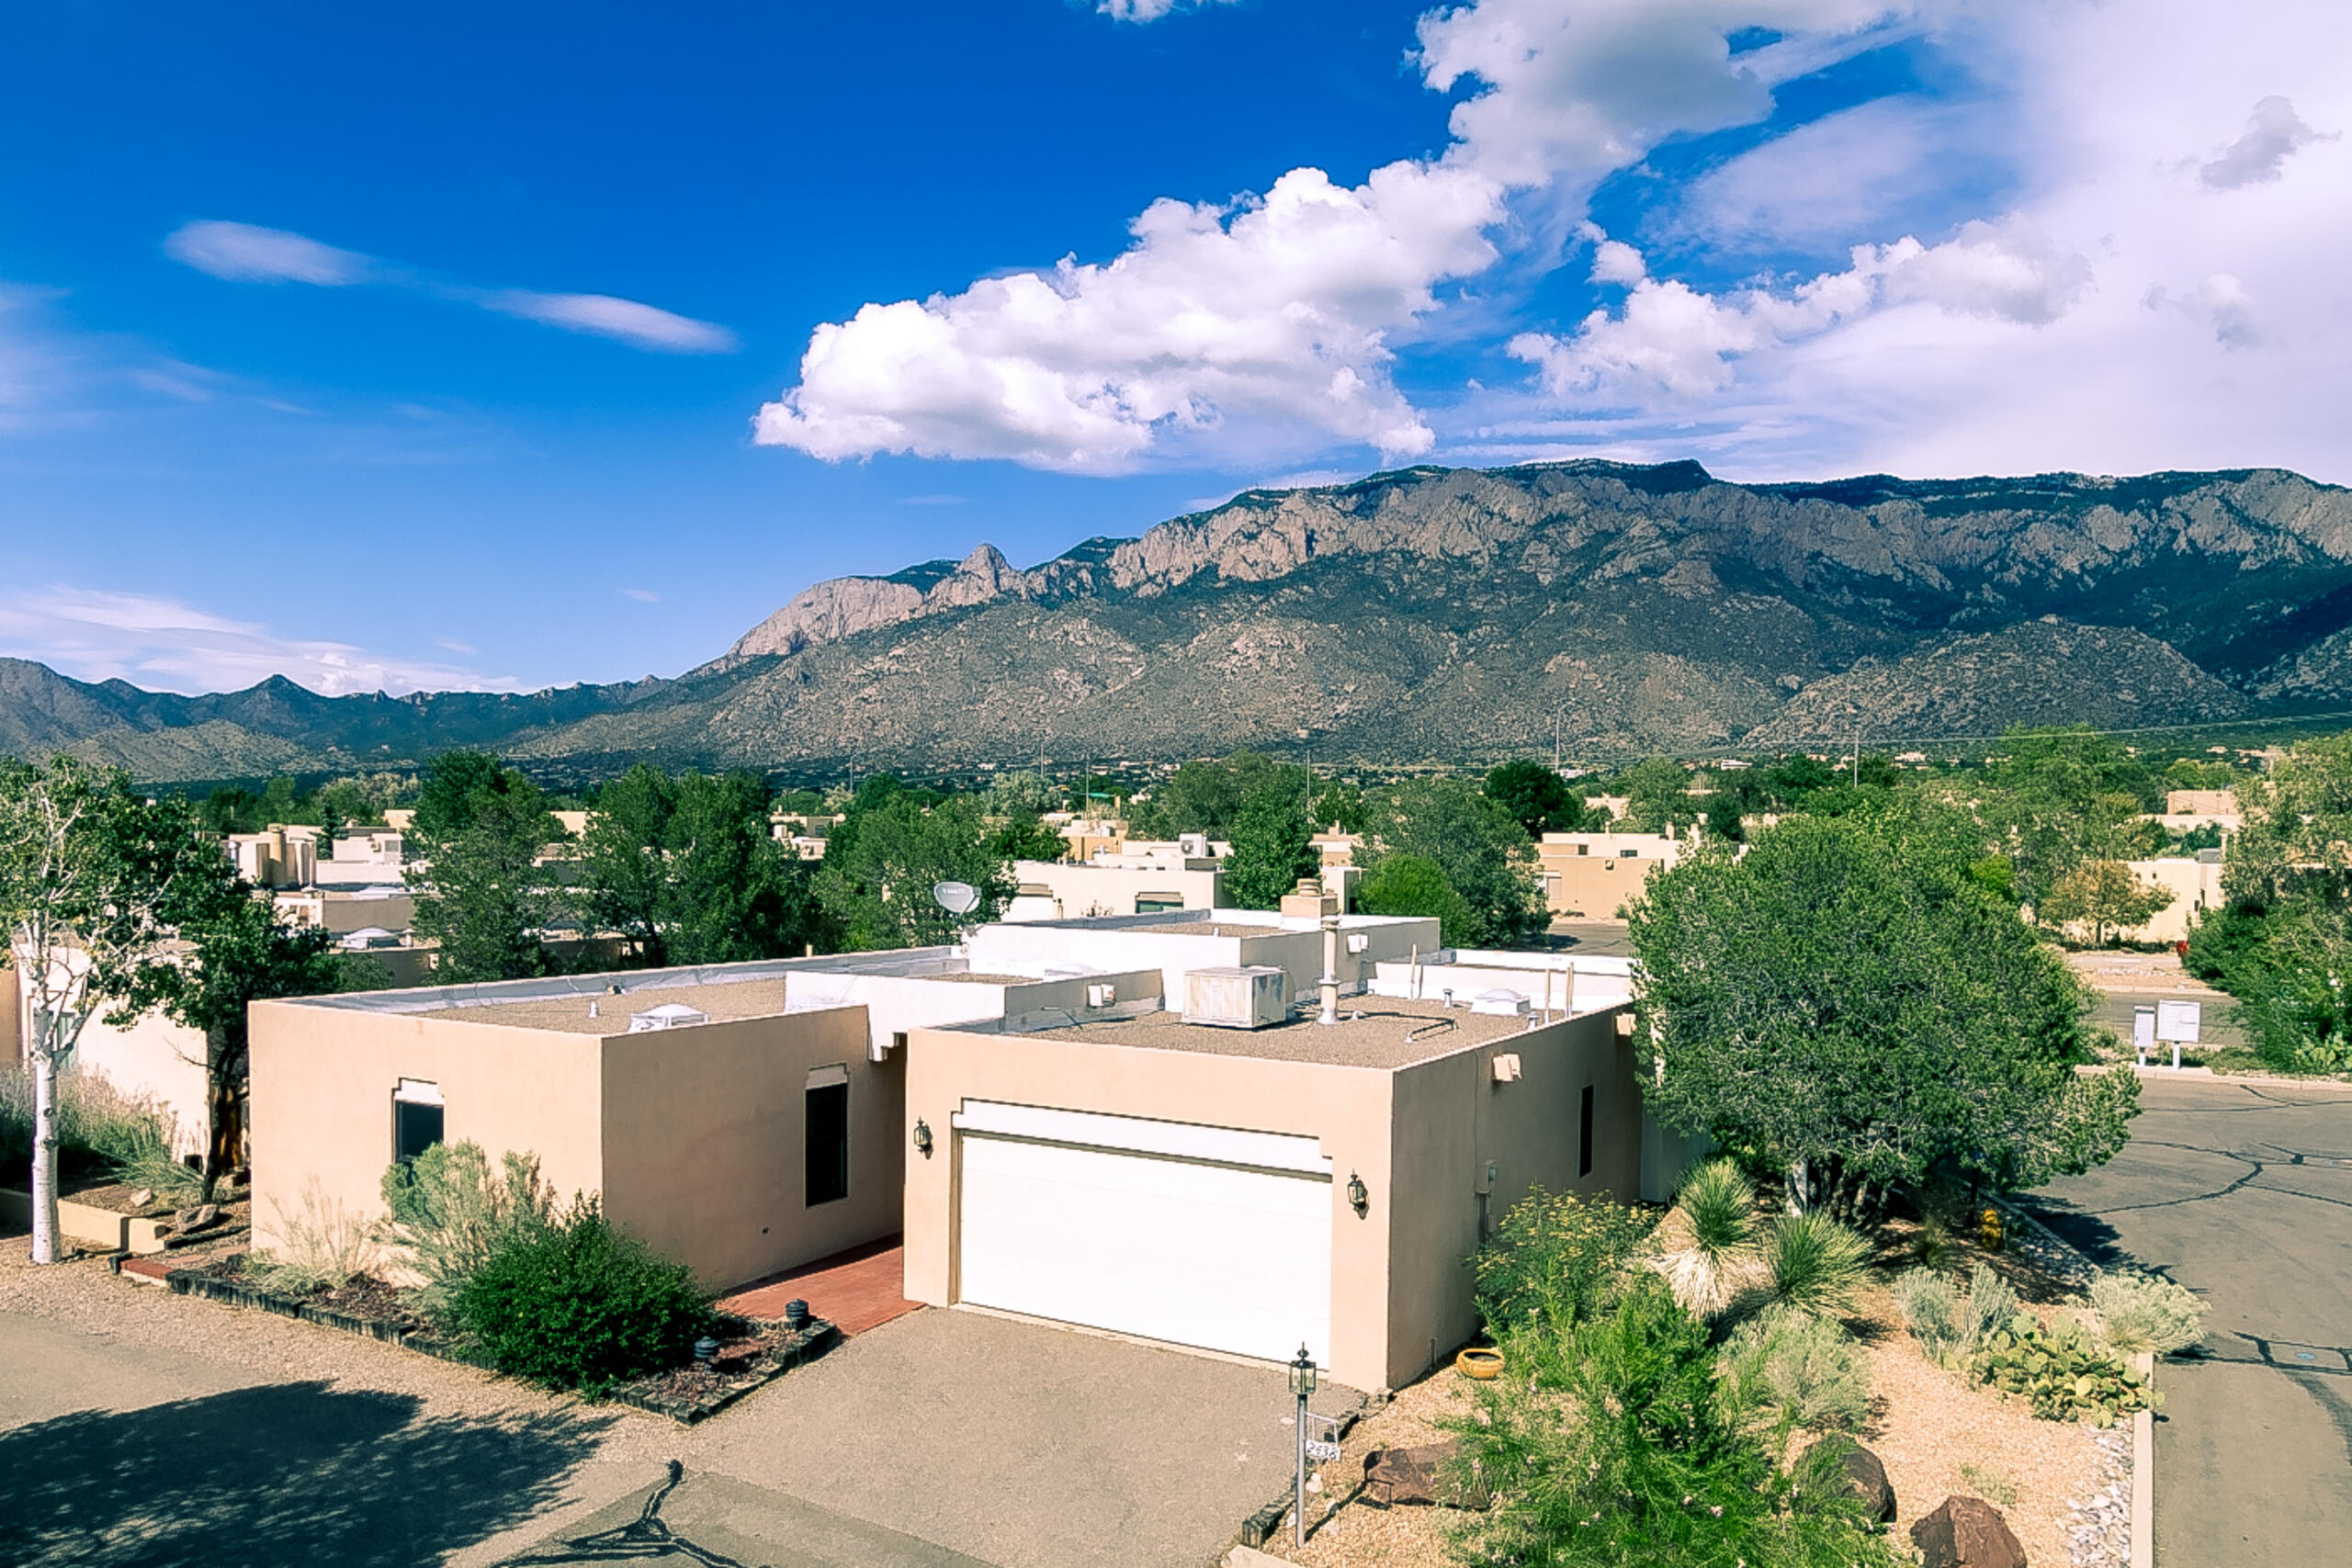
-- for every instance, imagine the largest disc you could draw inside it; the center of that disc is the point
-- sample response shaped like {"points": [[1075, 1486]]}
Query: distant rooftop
{"points": [[1373, 1031], [722, 1003]]}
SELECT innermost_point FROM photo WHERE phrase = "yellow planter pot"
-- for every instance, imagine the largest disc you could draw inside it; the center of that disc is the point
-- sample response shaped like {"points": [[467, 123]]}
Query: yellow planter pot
{"points": [[1482, 1364]]}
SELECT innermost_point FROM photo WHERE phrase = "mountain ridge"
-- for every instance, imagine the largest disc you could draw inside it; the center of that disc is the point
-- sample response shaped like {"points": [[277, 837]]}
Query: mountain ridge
{"points": [[1435, 613]]}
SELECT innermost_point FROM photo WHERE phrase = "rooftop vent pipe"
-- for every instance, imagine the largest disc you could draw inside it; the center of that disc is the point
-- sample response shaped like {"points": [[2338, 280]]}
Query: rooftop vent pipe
{"points": [[1331, 980]]}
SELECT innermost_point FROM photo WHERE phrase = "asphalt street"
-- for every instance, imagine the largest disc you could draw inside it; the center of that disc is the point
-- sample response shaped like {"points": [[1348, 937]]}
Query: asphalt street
{"points": [[2243, 1192]]}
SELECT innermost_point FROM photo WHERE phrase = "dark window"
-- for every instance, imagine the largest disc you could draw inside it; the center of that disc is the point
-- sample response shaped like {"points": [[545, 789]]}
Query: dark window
{"points": [[1157, 903], [1584, 1133], [415, 1128], [828, 1144]]}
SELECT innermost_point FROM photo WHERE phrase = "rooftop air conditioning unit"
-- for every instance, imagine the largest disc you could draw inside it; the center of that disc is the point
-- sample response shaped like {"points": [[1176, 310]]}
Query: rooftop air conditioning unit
{"points": [[1248, 997], [669, 1015], [1500, 1003]]}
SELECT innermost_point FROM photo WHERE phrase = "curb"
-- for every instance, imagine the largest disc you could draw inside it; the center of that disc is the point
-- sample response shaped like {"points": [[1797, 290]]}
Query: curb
{"points": [[796, 1350], [2143, 1473]]}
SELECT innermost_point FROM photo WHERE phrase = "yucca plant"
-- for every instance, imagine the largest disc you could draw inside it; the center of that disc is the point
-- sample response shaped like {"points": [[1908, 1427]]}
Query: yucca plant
{"points": [[1716, 1215], [1812, 1263]]}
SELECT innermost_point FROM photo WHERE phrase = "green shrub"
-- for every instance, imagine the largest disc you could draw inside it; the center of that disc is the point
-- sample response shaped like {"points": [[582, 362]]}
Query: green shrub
{"points": [[1812, 1263], [1554, 1261], [319, 1246], [1991, 1484], [576, 1304], [1989, 1304], [1930, 1310], [1808, 1367], [2140, 1313], [1620, 1446], [1715, 1219], [448, 1214], [2061, 1373]]}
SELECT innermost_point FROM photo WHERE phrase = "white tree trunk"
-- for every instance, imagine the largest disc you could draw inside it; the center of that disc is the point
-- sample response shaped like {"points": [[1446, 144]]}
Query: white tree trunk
{"points": [[46, 1239]]}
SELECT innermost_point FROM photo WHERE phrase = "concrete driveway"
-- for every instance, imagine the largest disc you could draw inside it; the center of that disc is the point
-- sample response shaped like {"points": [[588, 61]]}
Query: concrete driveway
{"points": [[980, 1438], [2243, 1192]]}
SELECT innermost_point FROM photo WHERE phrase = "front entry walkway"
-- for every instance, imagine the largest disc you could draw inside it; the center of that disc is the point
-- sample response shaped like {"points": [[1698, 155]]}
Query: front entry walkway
{"points": [[854, 1291]]}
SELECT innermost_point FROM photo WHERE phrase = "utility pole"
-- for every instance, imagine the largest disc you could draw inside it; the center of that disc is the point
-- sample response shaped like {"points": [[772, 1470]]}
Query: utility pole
{"points": [[1555, 735], [1858, 751]]}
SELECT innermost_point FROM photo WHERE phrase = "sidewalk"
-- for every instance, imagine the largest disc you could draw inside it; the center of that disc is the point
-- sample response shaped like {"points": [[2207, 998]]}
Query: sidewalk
{"points": [[855, 1291]]}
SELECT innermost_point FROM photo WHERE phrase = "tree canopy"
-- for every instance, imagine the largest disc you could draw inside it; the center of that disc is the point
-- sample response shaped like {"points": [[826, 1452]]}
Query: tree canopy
{"points": [[480, 893], [875, 883], [1538, 799], [1485, 856], [1850, 1004], [686, 870], [1273, 848]]}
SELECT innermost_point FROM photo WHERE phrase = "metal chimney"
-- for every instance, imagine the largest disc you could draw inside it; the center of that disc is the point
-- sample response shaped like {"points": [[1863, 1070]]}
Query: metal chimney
{"points": [[1331, 980]]}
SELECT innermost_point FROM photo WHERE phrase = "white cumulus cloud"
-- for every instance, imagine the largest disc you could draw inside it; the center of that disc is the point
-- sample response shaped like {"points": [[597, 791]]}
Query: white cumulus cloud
{"points": [[162, 644], [1265, 326], [245, 253], [1150, 10], [2273, 132]]}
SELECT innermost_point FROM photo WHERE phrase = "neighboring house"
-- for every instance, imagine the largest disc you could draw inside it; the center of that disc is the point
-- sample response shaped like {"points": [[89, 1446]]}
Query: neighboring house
{"points": [[1590, 874], [1180, 941], [2195, 884], [1056, 890], [803, 833], [2188, 809], [740, 1118], [1249, 1190]]}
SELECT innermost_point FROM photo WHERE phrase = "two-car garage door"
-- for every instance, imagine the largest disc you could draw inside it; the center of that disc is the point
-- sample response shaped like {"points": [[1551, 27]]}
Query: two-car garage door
{"points": [[1200, 1235]]}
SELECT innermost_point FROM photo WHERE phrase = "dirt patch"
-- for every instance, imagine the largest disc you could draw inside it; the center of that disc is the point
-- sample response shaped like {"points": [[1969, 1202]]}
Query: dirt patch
{"points": [[1360, 1535]]}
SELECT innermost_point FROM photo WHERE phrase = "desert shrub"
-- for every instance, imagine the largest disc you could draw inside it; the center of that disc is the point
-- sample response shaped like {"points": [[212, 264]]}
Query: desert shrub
{"points": [[2140, 1313], [1808, 1367], [2061, 1373], [1930, 1310], [449, 1213], [1935, 1246], [1621, 1447], [1990, 1303], [1713, 1238], [1993, 1485], [1554, 1261], [100, 1130], [1812, 1263], [577, 1304], [320, 1245]]}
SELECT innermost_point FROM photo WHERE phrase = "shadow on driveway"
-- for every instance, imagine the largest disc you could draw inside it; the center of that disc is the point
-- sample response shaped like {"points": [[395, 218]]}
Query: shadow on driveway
{"points": [[283, 1476]]}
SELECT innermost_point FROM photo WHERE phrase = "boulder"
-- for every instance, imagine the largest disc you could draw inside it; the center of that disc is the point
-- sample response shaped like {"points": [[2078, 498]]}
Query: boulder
{"points": [[195, 1219], [1866, 1479], [1419, 1475], [1967, 1532]]}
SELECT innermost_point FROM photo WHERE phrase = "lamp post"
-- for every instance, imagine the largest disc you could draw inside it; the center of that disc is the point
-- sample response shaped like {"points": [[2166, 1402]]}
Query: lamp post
{"points": [[1301, 1383]]}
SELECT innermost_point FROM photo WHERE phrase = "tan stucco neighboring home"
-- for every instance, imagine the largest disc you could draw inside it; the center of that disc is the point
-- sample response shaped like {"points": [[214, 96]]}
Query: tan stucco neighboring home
{"points": [[2195, 884], [804, 833], [2188, 809], [741, 1119], [1179, 941], [1249, 1190], [1058, 890], [1590, 874]]}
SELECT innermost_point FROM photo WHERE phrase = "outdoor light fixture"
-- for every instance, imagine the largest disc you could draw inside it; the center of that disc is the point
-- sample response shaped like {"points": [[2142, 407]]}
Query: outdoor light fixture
{"points": [[922, 1138], [1358, 1196], [1301, 1383]]}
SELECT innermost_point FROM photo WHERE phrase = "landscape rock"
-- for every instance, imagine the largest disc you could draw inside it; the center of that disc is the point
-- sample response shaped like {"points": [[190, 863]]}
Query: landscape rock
{"points": [[1866, 1477], [1967, 1532], [144, 1196], [1418, 1476], [195, 1219]]}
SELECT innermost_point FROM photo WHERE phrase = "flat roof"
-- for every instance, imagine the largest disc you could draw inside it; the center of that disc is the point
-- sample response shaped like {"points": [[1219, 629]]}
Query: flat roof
{"points": [[721, 1003], [1373, 1031]]}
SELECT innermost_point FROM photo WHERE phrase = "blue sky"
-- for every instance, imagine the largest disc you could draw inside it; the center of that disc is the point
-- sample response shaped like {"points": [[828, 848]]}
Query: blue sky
{"points": [[521, 344]]}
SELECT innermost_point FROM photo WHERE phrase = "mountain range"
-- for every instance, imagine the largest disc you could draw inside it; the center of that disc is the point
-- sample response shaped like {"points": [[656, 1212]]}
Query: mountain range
{"points": [[1425, 614]]}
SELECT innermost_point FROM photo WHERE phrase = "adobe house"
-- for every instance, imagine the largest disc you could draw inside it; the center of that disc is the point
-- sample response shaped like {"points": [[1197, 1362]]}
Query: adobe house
{"points": [[741, 1119], [1251, 1188]]}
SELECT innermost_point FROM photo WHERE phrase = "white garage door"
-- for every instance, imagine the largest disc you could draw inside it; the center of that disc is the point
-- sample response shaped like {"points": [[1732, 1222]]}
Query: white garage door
{"points": [[1199, 1235]]}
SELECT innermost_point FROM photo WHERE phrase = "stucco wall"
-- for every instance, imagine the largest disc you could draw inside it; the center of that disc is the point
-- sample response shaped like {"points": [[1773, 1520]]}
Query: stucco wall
{"points": [[1346, 1109], [1082, 890], [321, 1100], [1176, 953], [703, 1133], [1451, 1120], [154, 1057]]}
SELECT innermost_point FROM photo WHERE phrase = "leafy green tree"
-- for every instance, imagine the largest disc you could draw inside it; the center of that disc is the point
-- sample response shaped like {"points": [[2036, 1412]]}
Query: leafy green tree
{"points": [[2294, 986], [1341, 806], [1486, 856], [2103, 896], [1657, 796], [687, 872], [480, 893], [1848, 1004], [1272, 848], [233, 949], [1416, 884], [1206, 797], [2055, 799], [1015, 806], [89, 871], [1538, 799], [875, 883]]}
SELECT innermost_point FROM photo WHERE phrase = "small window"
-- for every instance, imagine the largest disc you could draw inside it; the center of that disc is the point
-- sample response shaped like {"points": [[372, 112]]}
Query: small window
{"points": [[828, 1135], [1157, 903], [417, 1118], [1584, 1133]]}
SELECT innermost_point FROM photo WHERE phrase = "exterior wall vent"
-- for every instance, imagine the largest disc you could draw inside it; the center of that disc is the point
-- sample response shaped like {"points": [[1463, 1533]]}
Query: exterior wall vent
{"points": [[1249, 997], [1102, 996]]}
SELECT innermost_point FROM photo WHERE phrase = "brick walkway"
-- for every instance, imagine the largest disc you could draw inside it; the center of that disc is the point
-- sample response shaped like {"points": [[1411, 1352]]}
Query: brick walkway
{"points": [[854, 1291]]}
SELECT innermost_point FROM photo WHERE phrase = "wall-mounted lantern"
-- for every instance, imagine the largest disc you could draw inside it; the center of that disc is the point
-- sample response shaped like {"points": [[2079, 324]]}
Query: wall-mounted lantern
{"points": [[1358, 1197], [922, 1138]]}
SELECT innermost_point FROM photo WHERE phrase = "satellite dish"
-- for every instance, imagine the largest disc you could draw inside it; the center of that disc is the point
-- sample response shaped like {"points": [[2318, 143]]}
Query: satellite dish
{"points": [[956, 897]]}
